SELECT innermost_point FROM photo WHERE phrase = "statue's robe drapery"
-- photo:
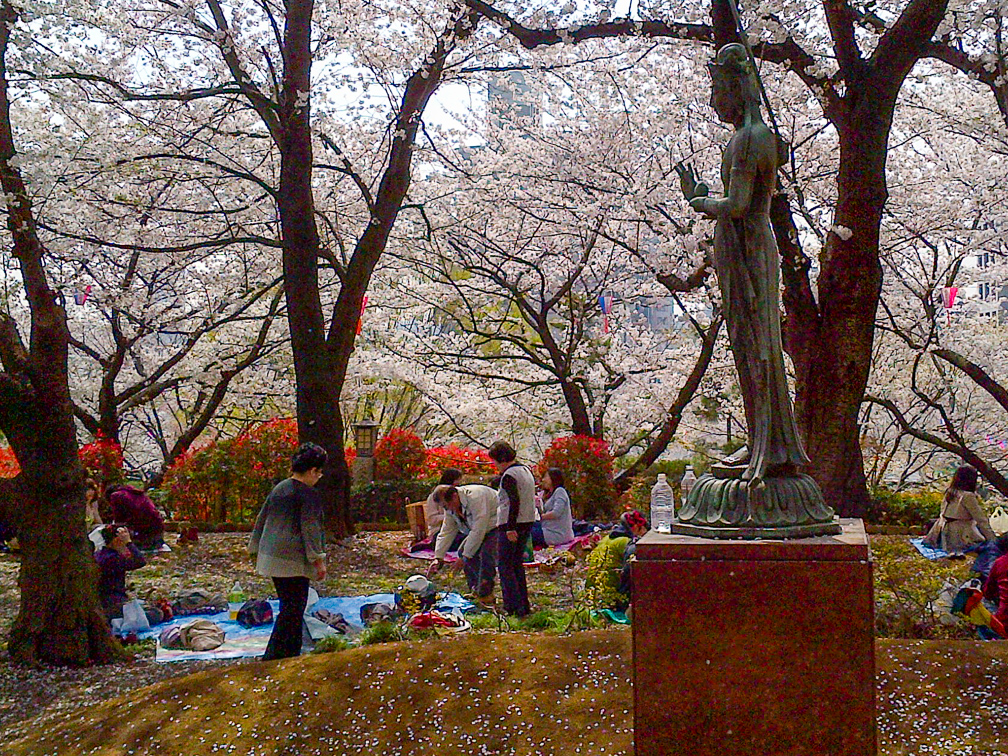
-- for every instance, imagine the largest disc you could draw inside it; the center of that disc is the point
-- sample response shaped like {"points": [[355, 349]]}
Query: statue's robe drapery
{"points": [[748, 268]]}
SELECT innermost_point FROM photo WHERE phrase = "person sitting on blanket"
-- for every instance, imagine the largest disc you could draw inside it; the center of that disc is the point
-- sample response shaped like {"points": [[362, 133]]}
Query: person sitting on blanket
{"points": [[609, 583], [434, 514], [475, 508], [963, 526], [996, 587], [556, 524], [118, 556]]}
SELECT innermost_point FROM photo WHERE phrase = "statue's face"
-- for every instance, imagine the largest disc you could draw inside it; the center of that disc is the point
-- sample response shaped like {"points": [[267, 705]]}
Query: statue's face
{"points": [[725, 97]]}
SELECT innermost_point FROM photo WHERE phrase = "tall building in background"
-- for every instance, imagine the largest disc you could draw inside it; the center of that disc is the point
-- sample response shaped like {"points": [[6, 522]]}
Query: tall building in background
{"points": [[511, 102], [991, 294]]}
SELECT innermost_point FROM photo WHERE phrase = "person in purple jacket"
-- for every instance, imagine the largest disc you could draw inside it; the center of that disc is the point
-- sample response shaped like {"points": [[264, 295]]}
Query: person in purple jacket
{"points": [[134, 508], [118, 556]]}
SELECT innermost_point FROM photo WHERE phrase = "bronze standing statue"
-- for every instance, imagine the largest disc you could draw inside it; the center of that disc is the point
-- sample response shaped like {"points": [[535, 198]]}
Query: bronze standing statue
{"points": [[760, 493]]}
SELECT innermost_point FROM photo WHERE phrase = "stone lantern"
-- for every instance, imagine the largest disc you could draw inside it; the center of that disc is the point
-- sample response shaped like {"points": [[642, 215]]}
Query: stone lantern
{"points": [[365, 438]]}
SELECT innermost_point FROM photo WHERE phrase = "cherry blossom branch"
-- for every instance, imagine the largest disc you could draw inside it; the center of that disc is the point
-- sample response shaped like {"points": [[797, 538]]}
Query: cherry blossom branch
{"points": [[958, 448]]}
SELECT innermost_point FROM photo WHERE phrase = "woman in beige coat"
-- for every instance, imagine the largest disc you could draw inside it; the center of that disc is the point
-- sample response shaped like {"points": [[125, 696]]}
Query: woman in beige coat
{"points": [[963, 523]]}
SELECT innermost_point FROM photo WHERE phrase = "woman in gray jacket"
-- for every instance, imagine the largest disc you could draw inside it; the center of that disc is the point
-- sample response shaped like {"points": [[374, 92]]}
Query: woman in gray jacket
{"points": [[288, 544]]}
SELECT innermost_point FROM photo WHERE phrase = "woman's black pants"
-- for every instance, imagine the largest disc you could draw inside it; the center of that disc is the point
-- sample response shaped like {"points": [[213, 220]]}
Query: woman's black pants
{"points": [[285, 640]]}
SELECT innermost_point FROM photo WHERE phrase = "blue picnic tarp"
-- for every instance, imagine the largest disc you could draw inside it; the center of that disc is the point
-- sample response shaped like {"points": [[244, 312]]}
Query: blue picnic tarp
{"points": [[241, 641], [929, 552]]}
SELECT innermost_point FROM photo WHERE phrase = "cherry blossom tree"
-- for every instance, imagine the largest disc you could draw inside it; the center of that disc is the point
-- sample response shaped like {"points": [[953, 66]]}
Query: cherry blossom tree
{"points": [[936, 379], [59, 620], [853, 61], [245, 105]]}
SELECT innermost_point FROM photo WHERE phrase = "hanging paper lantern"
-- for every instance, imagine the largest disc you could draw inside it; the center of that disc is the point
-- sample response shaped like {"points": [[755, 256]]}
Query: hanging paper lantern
{"points": [[948, 300], [949, 296], [360, 319], [80, 297], [605, 302]]}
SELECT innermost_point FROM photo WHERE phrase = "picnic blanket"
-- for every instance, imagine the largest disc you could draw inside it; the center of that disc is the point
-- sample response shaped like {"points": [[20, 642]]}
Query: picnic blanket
{"points": [[929, 552], [242, 642], [542, 555]]}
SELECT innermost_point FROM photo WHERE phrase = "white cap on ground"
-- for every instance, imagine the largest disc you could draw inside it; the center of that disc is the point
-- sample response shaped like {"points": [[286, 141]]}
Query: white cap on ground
{"points": [[417, 584]]}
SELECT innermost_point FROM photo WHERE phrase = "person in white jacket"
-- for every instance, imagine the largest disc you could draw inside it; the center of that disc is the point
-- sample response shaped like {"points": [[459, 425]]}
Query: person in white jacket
{"points": [[473, 507]]}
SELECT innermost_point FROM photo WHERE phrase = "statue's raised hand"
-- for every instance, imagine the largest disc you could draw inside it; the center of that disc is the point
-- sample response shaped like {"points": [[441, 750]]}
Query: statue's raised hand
{"points": [[691, 187]]}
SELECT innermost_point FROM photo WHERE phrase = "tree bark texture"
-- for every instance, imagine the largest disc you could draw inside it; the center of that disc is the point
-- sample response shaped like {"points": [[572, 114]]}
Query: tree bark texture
{"points": [[831, 345], [59, 619], [318, 412]]}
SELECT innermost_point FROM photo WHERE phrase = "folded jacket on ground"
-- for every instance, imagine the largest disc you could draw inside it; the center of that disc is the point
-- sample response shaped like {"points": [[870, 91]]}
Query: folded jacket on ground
{"points": [[201, 635]]}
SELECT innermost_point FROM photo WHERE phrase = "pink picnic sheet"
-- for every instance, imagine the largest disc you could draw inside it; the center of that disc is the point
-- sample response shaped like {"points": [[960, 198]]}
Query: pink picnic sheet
{"points": [[541, 555]]}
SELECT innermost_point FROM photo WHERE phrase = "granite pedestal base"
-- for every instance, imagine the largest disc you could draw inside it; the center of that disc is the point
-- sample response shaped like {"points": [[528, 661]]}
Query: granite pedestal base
{"points": [[754, 648]]}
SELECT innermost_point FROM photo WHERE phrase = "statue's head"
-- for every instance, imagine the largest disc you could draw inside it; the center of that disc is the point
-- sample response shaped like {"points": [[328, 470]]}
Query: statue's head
{"points": [[734, 90]]}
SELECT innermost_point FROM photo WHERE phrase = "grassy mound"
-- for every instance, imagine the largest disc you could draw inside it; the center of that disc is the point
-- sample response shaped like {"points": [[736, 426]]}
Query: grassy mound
{"points": [[486, 693], [490, 693], [942, 697]]}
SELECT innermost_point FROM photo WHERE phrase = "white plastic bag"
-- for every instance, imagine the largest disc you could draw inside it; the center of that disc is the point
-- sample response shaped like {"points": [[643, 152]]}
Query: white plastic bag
{"points": [[999, 519], [313, 598], [96, 537], [134, 618]]}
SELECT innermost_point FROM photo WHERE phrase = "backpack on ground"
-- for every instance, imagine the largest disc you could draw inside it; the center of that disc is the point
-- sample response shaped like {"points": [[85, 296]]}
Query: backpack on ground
{"points": [[255, 612], [171, 637]]}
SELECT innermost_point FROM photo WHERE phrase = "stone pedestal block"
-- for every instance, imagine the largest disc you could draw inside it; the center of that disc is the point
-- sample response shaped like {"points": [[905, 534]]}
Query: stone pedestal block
{"points": [[362, 471], [754, 648]]}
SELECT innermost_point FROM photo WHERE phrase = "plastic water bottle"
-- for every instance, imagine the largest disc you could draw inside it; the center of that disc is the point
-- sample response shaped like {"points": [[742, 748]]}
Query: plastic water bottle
{"points": [[235, 600], [662, 505], [686, 484]]}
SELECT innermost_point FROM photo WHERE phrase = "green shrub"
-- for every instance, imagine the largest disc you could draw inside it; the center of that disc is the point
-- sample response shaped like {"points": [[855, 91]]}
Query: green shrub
{"points": [[906, 508], [330, 644], [542, 620], [228, 480], [488, 621], [906, 584], [386, 500], [381, 632]]}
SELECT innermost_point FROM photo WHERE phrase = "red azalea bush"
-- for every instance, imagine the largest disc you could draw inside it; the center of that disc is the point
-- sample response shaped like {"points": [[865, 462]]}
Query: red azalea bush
{"points": [[9, 467], [399, 455], [103, 460], [587, 465], [227, 480], [469, 461]]}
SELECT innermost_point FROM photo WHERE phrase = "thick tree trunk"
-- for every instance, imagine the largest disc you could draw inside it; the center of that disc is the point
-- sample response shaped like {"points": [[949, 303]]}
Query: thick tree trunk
{"points": [[832, 349], [59, 620], [318, 413]]}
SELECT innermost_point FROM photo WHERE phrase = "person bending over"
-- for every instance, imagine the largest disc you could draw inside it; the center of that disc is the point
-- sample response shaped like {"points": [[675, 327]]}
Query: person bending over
{"points": [[134, 508], [473, 507], [434, 513]]}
